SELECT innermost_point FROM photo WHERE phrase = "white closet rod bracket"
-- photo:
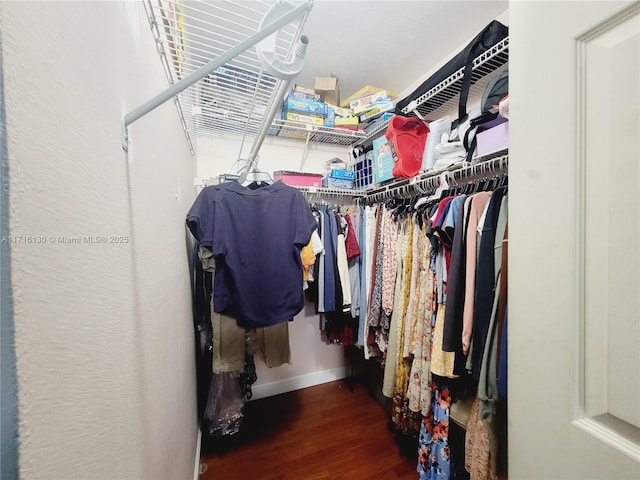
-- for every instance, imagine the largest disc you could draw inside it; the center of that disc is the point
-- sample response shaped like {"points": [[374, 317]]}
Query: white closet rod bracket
{"points": [[306, 147], [298, 12]]}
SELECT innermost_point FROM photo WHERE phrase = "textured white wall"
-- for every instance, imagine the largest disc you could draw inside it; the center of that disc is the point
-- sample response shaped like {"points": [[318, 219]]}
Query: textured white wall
{"points": [[309, 354], [219, 155], [104, 335]]}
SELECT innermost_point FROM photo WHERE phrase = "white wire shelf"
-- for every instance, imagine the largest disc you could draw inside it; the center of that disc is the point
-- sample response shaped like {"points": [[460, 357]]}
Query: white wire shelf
{"points": [[483, 65], [315, 133], [311, 192], [236, 97]]}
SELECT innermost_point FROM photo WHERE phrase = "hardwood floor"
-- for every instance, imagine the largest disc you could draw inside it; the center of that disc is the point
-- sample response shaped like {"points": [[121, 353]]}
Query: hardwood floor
{"points": [[324, 432]]}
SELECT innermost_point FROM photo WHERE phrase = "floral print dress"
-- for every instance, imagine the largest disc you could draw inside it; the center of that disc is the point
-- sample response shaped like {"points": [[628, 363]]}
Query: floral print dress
{"points": [[434, 458]]}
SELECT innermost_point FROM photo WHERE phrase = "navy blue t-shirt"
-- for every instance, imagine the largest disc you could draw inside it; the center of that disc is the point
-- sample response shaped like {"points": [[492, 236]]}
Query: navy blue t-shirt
{"points": [[256, 237]]}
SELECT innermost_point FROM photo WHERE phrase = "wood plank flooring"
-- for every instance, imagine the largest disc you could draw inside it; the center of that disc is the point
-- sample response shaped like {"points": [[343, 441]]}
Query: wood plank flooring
{"points": [[324, 432]]}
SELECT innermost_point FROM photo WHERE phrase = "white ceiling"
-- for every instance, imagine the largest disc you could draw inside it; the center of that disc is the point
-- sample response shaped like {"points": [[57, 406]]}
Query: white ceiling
{"points": [[388, 44]]}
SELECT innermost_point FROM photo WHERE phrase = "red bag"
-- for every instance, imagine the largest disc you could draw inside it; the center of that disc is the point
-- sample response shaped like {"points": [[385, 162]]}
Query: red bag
{"points": [[408, 136]]}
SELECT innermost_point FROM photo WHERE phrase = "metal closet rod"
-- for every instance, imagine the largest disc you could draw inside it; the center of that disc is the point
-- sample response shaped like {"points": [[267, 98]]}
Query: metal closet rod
{"points": [[428, 182], [210, 67]]}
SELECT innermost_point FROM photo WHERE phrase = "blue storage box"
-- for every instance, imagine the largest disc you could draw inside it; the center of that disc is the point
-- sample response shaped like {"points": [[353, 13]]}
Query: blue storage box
{"points": [[304, 105], [339, 178]]}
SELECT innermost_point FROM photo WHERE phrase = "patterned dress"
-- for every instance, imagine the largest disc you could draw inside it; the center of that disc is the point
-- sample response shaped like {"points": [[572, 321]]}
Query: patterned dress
{"points": [[434, 458], [404, 419]]}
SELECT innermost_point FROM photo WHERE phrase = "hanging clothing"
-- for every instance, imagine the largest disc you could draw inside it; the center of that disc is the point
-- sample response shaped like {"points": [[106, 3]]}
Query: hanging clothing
{"points": [[452, 331], [353, 258], [320, 263], [419, 390], [485, 279], [395, 326], [364, 276], [230, 220], [404, 419], [434, 456], [273, 342], [477, 205], [343, 265]]}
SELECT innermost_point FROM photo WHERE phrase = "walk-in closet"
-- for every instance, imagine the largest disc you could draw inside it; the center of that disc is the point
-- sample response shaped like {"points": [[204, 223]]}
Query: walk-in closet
{"points": [[320, 239]]}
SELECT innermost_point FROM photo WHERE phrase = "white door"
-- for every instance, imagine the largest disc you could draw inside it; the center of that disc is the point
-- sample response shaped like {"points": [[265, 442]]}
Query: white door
{"points": [[574, 216]]}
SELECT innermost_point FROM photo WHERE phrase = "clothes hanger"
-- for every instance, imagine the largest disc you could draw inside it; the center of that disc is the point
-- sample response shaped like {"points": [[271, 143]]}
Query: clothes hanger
{"points": [[255, 176]]}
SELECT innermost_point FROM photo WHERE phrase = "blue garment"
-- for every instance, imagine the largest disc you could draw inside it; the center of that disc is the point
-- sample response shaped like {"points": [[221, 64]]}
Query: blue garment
{"points": [[434, 458], [256, 237], [200, 221], [364, 306], [320, 263], [329, 262]]}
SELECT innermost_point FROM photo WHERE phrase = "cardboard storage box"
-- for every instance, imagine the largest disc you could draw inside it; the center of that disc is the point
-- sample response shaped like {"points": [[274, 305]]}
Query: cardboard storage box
{"points": [[299, 179], [329, 89]]}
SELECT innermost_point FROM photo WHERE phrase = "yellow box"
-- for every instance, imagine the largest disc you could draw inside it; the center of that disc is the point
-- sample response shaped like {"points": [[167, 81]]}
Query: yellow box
{"points": [[341, 112], [340, 121], [364, 91], [299, 117]]}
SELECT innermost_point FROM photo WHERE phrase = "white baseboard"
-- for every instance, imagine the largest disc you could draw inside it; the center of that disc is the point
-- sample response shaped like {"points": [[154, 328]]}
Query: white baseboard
{"points": [[196, 469], [296, 383]]}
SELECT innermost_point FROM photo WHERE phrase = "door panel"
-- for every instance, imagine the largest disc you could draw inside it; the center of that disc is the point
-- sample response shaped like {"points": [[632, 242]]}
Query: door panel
{"points": [[574, 286]]}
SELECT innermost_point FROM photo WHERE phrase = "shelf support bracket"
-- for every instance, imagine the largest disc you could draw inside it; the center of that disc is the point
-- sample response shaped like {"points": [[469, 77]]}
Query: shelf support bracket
{"points": [[142, 110], [306, 147]]}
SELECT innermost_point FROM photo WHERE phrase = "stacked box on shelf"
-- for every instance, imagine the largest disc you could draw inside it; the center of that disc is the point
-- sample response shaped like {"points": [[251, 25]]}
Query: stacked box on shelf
{"points": [[341, 111], [339, 178], [493, 139], [298, 179], [302, 118], [330, 117], [310, 93], [347, 123], [383, 159], [378, 110], [370, 107], [366, 91], [364, 104], [304, 106], [301, 107], [328, 88], [301, 92]]}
